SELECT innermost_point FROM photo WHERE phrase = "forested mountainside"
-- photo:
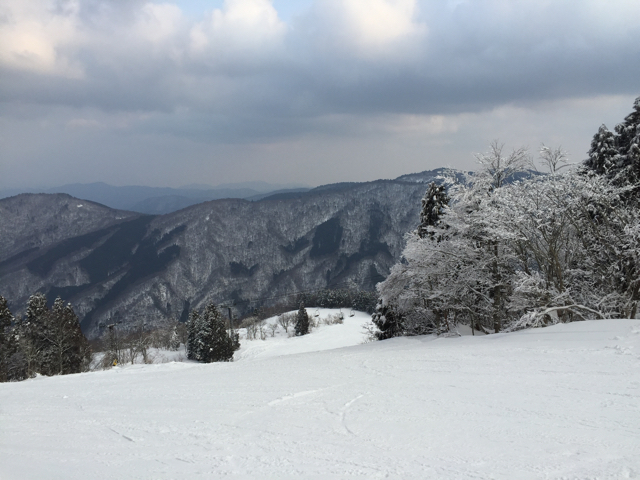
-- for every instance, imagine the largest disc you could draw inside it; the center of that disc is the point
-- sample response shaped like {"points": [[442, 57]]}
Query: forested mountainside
{"points": [[32, 222], [143, 268]]}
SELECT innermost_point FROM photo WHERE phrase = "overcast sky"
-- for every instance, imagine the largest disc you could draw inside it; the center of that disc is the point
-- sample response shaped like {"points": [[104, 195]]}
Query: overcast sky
{"points": [[306, 91]]}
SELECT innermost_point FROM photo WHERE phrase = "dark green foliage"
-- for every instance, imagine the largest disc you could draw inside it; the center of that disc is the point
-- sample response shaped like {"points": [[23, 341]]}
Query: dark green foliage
{"points": [[66, 348], [7, 342], [207, 337], [617, 156], [47, 341], [302, 321], [327, 238], [603, 154], [388, 321], [433, 204], [193, 326]]}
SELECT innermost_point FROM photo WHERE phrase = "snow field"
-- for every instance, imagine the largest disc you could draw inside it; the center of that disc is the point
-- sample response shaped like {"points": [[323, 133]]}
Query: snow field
{"points": [[323, 337], [556, 403]]}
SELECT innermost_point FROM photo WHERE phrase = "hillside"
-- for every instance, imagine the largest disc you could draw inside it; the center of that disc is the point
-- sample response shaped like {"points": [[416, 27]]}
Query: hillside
{"points": [[30, 222], [154, 268], [558, 403]]}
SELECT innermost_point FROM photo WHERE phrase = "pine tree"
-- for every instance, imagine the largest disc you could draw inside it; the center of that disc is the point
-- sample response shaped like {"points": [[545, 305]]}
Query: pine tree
{"points": [[388, 321], [433, 203], [192, 327], [7, 344], [47, 341], [302, 321], [208, 338], [628, 130], [30, 333], [65, 348], [618, 155], [629, 143], [603, 154]]}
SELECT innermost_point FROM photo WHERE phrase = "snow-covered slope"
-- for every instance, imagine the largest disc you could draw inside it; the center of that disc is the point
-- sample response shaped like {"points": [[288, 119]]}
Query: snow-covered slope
{"points": [[323, 337], [556, 403]]}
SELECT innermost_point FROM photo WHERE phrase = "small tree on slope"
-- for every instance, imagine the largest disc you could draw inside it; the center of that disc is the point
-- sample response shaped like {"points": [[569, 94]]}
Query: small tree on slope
{"points": [[302, 321], [6, 339], [208, 338]]}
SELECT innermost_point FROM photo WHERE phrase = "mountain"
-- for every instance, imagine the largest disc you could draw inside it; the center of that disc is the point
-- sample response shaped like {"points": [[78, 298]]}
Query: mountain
{"points": [[33, 222], [159, 200], [149, 268]]}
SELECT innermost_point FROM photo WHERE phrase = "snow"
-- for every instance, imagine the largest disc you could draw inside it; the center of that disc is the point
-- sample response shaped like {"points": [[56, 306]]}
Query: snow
{"points": [[561, 402], [323, 337]]}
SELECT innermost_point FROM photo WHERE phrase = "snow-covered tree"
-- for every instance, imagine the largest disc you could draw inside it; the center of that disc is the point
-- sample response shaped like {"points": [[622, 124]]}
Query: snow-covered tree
{"points": [[617, 156], [65, 348], [48, 341], [388, 321], [535, 251], [7, 342], [302, 321], [208, 340], [603, 154], [628, 142], [433, 203]]}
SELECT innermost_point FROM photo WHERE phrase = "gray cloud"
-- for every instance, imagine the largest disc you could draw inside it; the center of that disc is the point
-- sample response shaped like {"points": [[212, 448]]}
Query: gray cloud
{"points": [[128, 71]]}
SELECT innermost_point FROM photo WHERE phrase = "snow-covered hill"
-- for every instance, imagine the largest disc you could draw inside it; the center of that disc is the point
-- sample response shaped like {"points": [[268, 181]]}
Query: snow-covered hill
{"points": [[556, 403], [325, 336]]}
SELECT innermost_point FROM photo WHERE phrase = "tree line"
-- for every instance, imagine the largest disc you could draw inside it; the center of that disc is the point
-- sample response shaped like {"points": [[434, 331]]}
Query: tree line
{"points": [[510, 248], [46, 341]]}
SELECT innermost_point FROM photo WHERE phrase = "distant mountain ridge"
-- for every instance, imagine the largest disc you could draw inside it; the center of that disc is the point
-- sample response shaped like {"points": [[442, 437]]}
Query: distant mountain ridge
{"points": [[123, 266], [158, 200]]}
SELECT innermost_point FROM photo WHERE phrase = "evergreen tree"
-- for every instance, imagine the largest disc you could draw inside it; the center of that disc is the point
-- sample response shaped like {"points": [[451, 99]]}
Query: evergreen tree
{"points": [[629, 143], [208, 338], [302, 321], [192, 327], [30, 333], [48, 341], [7, 344], [388, 321], [433, 204], [65, 348], [603, 154], [628, 130], [174, 339], [618, 155]]}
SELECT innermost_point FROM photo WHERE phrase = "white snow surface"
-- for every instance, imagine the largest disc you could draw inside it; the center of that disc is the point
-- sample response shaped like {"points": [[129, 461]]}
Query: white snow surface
{"points": [[322, 337], [561, 402]]}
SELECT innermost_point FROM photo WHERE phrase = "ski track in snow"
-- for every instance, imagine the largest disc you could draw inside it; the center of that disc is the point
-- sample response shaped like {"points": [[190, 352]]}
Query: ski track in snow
{"points": [[556, 403]]}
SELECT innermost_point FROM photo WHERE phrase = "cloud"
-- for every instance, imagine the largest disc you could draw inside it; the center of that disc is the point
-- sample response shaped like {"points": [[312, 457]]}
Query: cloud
{"points": [[248, 27], [372, 29], [240, 75], [32, 38]]}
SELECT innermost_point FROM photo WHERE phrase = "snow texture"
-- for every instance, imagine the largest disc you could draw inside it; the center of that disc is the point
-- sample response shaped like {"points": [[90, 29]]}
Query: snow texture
{"points": [[561, 402]]}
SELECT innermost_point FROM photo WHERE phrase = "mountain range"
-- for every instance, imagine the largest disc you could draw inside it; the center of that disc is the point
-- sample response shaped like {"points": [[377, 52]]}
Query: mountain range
{"points": [[120, 266], [160, 200]]}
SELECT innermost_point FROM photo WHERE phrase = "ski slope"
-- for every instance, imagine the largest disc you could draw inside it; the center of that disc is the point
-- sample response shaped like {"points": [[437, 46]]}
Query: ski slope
{"points": [[556, 403]]}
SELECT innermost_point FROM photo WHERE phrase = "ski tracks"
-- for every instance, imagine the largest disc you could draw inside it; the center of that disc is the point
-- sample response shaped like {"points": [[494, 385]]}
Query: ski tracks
{"points": [[345, 410]]}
